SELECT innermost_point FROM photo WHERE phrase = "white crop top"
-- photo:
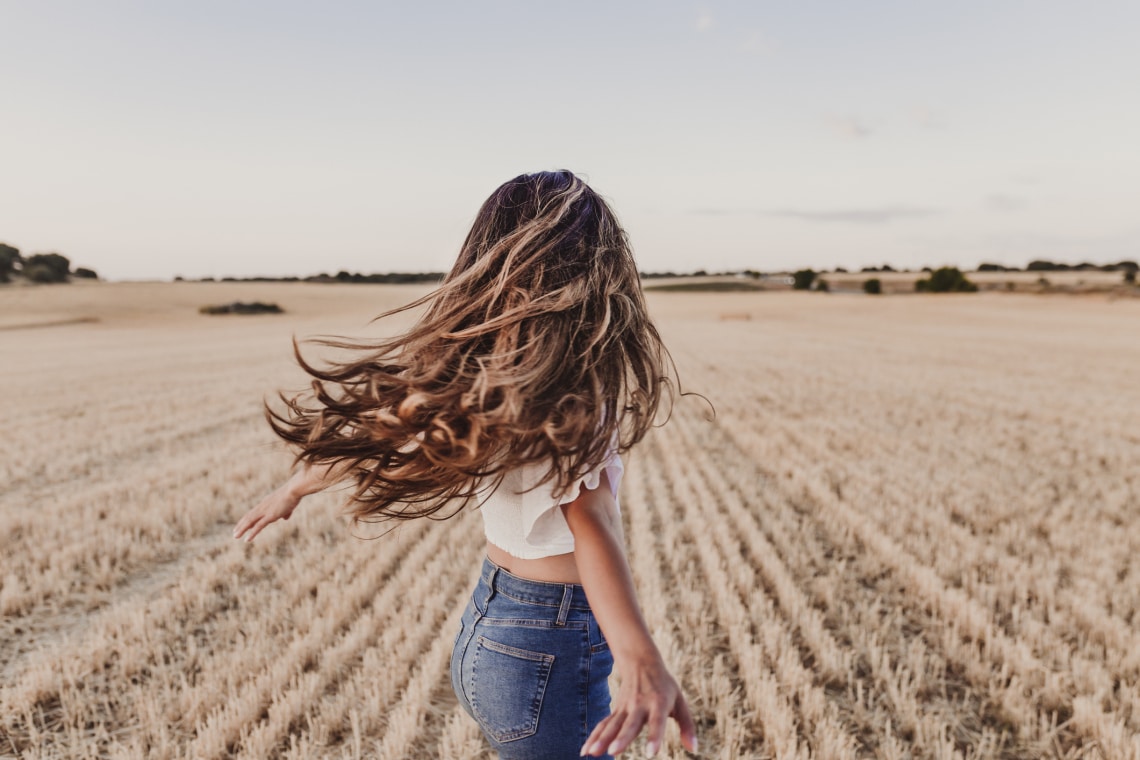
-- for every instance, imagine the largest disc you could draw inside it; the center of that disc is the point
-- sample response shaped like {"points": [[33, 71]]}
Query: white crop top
{"points": [[529, 524]]}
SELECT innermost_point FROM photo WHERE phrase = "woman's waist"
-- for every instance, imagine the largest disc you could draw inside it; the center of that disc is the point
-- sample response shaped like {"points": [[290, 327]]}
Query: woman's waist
{"points": [[499, 588], [558, 568]]}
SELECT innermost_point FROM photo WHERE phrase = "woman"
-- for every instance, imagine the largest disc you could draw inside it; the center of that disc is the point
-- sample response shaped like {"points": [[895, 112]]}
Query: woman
{"points": [[532, 369]]}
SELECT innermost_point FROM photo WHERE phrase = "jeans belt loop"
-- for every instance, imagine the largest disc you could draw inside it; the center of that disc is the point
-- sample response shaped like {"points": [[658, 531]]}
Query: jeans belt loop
{"points": [[491, 583], [564, 608]]}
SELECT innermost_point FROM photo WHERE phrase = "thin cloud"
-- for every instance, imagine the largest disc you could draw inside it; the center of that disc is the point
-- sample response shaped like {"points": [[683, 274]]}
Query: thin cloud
{"points": [[704, 22], [871, 215], [874, 215], [850, 127], [759, 43], [1003, 203], [927, 118]]}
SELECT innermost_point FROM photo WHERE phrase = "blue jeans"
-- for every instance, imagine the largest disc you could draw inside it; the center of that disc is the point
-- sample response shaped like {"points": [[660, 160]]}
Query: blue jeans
{"points": [[530, 665]]}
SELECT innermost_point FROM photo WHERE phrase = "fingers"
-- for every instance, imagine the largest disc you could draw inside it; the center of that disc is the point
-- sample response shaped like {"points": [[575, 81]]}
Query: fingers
{"points": [[685, 722], [629, 731], [616, 732], [243, 524], [253, 520], [596, 741], [256, 528], [656, 726]]}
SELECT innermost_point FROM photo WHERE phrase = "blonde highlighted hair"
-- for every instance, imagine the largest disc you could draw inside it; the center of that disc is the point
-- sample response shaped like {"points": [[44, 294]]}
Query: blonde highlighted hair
{"points": [[536, 349]]}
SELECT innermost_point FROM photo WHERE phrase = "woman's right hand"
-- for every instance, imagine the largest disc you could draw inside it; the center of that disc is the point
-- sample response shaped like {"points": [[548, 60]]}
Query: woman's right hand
{"points": [[278, 505], [647, 696]]}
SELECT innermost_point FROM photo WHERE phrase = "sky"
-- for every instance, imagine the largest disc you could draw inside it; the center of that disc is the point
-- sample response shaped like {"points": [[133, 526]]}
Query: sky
{"points": [[152, 139]]}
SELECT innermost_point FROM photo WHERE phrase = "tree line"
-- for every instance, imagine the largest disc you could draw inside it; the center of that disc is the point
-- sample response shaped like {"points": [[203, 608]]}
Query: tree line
{"points": [[39, 267]]}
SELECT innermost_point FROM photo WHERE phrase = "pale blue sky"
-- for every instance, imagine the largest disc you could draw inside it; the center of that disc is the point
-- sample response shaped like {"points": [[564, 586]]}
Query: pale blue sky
{"points": [[150, 139]]}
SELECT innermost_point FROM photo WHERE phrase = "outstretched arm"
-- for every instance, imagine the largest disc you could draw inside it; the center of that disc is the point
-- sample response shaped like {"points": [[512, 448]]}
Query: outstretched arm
{"points": [[647, 694], [280, 504]]}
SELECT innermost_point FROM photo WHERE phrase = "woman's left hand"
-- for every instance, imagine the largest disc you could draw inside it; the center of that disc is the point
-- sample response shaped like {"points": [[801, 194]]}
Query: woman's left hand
{"points": [[278, 505], [647, 696]]}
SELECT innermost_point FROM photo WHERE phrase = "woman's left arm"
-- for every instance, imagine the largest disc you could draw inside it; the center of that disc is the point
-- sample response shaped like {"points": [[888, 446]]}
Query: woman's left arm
{"points": [[647, 694]]}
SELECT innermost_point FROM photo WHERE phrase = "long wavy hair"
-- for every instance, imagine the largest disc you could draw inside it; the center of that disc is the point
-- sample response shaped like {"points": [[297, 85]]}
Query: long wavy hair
{"points": [[535, 349]]}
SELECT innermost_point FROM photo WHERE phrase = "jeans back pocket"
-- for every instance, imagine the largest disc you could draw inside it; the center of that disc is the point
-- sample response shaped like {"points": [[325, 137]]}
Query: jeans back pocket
{"points": [[507, 687]]}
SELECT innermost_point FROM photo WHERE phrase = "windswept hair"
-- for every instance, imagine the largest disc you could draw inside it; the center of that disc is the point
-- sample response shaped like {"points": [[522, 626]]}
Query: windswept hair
{"points": [[536, 349]]}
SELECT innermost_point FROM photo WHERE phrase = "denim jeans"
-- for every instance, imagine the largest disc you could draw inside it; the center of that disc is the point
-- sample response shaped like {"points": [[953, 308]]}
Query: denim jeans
{"points": [[530, 665]]}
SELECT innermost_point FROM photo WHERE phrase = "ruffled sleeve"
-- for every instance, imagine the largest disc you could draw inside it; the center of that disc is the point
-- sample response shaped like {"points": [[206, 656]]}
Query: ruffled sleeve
{"points": [[544, 527]]}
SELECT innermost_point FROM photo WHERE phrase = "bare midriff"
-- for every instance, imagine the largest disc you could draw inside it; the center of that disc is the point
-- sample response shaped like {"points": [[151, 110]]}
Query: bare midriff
{"points": [[560, 568]]}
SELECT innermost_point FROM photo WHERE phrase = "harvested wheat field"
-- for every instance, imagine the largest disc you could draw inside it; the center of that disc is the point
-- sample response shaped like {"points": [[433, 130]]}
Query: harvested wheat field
{"points": [[911, 530]]}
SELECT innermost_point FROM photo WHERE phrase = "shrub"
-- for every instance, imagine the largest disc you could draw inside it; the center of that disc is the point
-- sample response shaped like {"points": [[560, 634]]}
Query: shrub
{"points": [[47, 267], [88, 274], [10, 260], [1130, 276], [873, 286], [237, 307], [822, 285], [802, 279], [945, 280], [39, 273]]}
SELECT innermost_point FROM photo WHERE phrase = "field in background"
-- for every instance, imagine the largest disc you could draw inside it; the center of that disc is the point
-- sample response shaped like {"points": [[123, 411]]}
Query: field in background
{"points": [[1104, 284], [909, 531]]}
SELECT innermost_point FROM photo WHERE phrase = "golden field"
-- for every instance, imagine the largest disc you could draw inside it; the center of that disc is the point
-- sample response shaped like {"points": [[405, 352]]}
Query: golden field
{"points": [[911, 530]]}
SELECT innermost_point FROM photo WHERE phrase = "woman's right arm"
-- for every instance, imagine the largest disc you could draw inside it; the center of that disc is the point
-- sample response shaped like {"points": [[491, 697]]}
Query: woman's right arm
{"points": [[280, 504], [648, 694]]}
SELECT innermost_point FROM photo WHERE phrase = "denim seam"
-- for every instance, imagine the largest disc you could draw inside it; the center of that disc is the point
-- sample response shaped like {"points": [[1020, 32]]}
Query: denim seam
{"points": [[521, 600], [574, 625], [586, 700]]}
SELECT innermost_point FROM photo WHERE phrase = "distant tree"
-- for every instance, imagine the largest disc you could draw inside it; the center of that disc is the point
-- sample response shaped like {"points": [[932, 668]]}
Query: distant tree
{"points": [[822, 286], [802, 279], [86, 273], [10, 261], [1040, 265], [869, 269], [945, 280], [886, 268], [927, 269], [840, 269], [1128, 266], [47, 267], [873, 286], [992, 268]]}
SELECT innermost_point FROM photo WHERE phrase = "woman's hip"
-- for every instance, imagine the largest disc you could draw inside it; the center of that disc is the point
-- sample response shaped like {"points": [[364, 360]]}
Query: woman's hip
{"points": [[531, 666]]}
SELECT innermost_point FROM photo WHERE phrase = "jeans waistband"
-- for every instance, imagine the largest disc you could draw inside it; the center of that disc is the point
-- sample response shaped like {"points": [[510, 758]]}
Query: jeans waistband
{"points": [[565, 596]]}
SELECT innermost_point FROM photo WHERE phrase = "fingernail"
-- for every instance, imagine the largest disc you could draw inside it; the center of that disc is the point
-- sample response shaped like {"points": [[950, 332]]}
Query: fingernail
{"points": [[612, 749], [650, 749], [694, 744], [583, 752]]}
